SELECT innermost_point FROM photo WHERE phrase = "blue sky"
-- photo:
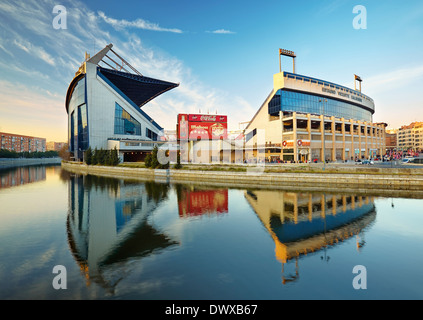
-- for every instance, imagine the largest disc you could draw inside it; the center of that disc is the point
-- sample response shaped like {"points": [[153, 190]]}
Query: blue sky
{"points": [[223, 54]]}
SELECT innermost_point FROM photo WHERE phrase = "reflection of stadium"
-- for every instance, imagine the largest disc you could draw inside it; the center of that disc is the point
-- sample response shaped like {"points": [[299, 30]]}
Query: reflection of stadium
{"points": [[304, 223], [107, 225]]}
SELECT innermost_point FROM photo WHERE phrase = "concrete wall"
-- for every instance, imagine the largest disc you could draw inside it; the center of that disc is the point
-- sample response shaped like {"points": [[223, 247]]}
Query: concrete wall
{"points": [[377, 183], [11, 163]]}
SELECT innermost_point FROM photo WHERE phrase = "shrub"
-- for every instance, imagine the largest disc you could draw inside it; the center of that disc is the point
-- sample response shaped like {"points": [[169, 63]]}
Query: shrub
{"points": [[147, 161]]}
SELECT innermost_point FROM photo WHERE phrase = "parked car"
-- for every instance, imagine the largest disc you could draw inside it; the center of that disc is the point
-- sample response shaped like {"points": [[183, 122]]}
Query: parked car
{"points": [[367, 162], [407, 160]]}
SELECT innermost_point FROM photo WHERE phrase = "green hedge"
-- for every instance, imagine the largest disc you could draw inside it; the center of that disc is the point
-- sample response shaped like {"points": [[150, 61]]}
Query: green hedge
{"points": [[102, 157]]}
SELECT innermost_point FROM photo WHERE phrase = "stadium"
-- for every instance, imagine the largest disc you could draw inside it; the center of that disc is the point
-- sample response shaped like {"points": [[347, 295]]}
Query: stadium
{"points": [[104, 105], [307, 119]]}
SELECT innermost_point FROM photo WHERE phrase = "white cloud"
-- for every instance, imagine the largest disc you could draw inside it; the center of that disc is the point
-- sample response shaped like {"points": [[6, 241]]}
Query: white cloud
{"points": [[31, 49], [139, 24], [396, 78], [221, 31]]}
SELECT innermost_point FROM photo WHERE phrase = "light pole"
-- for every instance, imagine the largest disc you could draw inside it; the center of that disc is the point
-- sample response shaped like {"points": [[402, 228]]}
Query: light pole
{"points": [[324, 132]]}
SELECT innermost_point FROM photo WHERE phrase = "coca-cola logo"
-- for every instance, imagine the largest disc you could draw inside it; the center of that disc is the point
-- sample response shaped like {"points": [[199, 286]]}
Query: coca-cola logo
{"points": [[208, 118]]}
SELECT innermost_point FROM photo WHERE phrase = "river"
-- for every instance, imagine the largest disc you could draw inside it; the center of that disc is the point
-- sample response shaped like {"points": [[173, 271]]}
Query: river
{"points": [[67, 236]]}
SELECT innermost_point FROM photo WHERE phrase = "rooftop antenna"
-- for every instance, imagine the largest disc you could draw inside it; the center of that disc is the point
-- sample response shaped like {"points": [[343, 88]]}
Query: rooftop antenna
{"points": [[288, 53]]}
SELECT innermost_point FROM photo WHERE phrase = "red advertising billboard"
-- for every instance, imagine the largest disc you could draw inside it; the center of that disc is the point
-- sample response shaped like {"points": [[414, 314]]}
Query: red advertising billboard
{"points": [[197, 126], [196, 203]]}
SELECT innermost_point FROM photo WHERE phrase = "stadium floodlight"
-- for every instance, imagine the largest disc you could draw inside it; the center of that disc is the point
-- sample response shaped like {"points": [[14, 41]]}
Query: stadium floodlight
{"points": [[288, 53], [357, 78]]}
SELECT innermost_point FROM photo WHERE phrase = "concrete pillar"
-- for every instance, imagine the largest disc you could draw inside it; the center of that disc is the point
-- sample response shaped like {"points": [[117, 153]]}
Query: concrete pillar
{"points": [[366, 139], [322, 137], [281, 120], [309, 135], [333, 138], [352, 150], [294, 127], [359, 137], [343, 138]]}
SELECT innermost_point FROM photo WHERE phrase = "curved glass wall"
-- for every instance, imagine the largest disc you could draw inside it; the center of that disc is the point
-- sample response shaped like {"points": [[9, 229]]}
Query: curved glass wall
{"points": [[125, 123], [78, 120], [307, 103]]}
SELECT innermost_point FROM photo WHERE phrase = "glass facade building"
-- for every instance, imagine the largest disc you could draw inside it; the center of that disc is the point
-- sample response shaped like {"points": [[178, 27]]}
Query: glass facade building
{"points": [[306, 119], [290, 101]]}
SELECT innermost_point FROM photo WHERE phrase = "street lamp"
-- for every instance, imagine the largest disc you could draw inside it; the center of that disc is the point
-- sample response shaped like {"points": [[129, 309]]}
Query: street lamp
{"points": [[324, 132]]}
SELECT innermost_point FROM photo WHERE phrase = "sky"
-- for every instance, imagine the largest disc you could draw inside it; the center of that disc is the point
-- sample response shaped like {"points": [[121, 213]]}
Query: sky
{"points": [[223, 54]]}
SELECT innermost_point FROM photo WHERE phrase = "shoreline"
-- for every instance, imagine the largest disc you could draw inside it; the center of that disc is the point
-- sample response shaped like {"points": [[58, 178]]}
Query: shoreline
{"points": [[377, 183], [9, 163]]}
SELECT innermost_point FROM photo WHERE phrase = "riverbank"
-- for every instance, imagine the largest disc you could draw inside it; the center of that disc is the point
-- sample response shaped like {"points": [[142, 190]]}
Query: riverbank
{"points": [[6, 163], [381, 181]]}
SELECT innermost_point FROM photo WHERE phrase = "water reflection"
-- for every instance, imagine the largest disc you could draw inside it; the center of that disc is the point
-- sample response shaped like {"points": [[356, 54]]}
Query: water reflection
{"points": [[108, 226], [307, 223], [21, 175]]}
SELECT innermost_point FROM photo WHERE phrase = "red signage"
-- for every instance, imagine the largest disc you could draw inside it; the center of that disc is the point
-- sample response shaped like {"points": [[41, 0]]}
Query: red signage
{"points": [[202, 126], [196, 203]]}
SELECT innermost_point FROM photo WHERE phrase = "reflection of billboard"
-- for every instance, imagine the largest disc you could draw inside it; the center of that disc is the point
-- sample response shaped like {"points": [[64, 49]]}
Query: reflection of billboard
{"points": [[198, 126], [196, 203]]}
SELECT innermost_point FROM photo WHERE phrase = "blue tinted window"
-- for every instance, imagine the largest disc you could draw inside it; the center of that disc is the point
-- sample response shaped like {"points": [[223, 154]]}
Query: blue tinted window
{"points": [[151, 134], [125, 123], [71, 132], [82, 128]]}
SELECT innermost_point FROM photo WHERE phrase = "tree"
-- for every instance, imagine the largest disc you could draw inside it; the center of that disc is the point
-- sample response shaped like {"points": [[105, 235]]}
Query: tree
{"points": [[64, 153], [114, 157], [147, 160], [178, 160], [107, 158], [95, 157], [102, 156], [154, 162], [89, 156]]}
